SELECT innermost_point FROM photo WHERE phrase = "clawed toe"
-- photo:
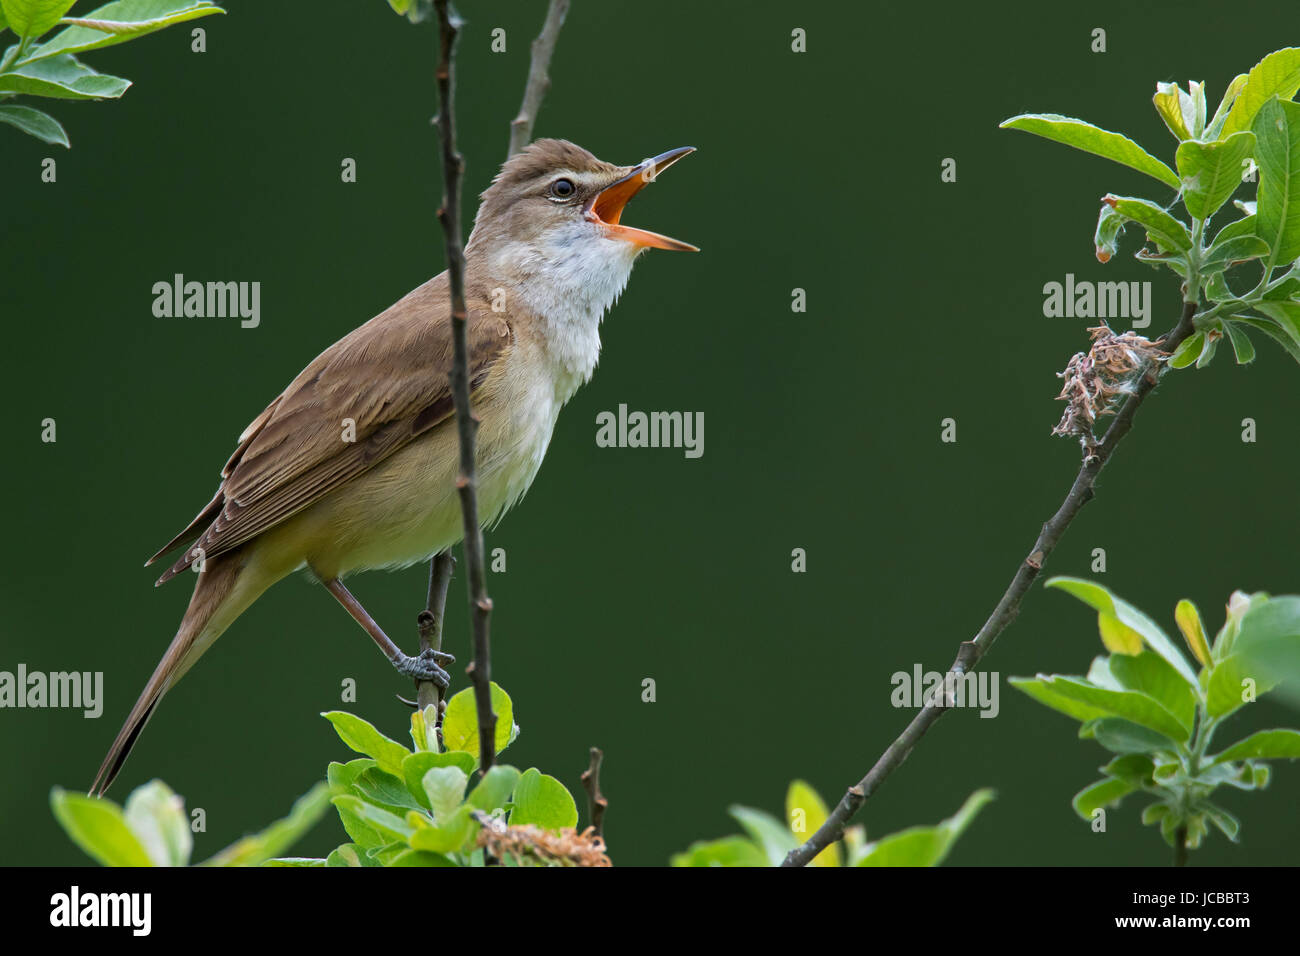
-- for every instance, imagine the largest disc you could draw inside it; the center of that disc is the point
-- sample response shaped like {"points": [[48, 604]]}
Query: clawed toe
{"points": [[426, 667]]}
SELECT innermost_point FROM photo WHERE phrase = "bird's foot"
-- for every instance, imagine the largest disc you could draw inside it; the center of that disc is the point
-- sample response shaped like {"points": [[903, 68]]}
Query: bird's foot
{"points": [[427, 666]]}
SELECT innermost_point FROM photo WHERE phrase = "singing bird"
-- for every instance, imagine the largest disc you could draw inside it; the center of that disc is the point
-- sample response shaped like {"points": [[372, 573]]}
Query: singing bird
{"points": [[353, 467]]}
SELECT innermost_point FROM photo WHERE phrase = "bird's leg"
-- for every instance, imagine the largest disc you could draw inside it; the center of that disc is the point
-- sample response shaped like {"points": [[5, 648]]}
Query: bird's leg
{"points": [[425, 667]]}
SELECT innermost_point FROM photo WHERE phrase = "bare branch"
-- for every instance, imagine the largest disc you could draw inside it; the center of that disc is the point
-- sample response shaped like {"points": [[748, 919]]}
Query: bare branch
{"points": [[539, 79], [596, 802], [970, 652], [453, 167], [430, 624]]}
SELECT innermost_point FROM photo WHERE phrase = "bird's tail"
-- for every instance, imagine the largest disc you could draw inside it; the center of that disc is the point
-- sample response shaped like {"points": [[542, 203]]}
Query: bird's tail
{"points": [[221, 594]]}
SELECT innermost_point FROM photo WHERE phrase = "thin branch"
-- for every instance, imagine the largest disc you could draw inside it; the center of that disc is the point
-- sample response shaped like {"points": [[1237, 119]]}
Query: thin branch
{"points": [[596, 802], [970, 652], [480, 605], [430, 624], [539, 79]]}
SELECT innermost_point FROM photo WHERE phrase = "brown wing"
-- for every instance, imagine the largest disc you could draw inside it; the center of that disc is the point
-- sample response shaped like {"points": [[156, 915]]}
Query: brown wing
{"points": [[390, 377]]}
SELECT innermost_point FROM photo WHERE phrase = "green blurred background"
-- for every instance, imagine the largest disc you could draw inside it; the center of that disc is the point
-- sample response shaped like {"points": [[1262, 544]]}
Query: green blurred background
{"points": [[819, 171]]}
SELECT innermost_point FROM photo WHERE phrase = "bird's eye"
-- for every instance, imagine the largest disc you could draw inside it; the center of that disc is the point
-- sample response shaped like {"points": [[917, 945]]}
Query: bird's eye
{"points": [[563, 189]]}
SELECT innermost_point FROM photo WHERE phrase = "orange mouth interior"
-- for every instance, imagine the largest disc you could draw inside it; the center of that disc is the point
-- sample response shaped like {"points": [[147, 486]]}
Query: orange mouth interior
{"points": [[607, 206]]}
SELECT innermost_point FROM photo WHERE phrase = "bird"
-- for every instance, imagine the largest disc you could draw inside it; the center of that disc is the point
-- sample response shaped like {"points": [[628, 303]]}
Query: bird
{"points": [[353, 467]]}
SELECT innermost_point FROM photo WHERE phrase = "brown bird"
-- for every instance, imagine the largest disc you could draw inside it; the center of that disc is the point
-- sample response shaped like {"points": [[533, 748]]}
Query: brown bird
{"points": [[353, 466]]}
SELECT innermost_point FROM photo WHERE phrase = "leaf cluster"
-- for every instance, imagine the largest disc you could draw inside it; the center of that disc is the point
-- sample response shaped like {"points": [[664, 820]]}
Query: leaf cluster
{"points": [[51, 68], [1253, 137], [767, 839], [413, 806], [1158, 713]]}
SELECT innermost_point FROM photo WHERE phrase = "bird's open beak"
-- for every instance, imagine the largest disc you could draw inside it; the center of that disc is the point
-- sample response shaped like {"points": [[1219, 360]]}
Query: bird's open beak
{"points": [[606, 207]]}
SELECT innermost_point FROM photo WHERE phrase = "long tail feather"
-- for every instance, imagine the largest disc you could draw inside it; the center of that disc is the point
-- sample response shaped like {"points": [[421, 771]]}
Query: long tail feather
{"points": [[220, 596]]}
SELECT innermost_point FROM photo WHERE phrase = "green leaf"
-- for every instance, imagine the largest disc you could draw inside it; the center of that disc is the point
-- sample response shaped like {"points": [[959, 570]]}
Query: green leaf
{"points": [[41, 125], [460, 721], [452, 832], [1285, 314], [1244, 226], [1277, 127], [156, 815], [1118, 637], [1263, 745], [769, 833], [1211, 172], [1082, 700], [417, 765], [362, 834], [387, 825], [1106, 792], [1110, 225], [729, 851], [1134, 769], [925, 846], [118, 22], [1175, 108], [1274, 331], [62, 77], [1125, 737], [1163, 229], [362, 737], [1155, 813], [1212, 337], [1242, 346], [1187, 615], [1278, 74], [1102, 599], [1216, 289], [98, 827], [295, 861], [1221, 818], [341, 776], [420, 858], [805, 809], [1092, 139], [1149, 673], [350, 854], [32, 18], [445, 788], [1215, 129], [541, 800], [1229, 683], [279, 836], [1288, 288], [493, 791], [386, 790], [1226, 254], [1188, 351], [1269, 639]]}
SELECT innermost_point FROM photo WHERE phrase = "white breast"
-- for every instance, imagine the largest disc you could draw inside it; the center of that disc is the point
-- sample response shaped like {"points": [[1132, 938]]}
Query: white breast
{"points": [[569, 279]]}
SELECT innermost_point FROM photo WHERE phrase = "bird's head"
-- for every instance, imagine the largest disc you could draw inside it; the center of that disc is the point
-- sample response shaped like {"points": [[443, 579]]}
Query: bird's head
{"points": [[555, 203]]}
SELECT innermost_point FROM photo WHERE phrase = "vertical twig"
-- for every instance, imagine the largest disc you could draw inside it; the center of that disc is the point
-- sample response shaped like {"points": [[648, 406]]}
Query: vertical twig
{"points": [[430, 624], [480, 605], [539, 79], [596, 802]]}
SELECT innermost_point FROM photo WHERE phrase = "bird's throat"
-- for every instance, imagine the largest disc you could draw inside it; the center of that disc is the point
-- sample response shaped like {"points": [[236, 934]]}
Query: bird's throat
{"points": [[566, 284]]}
